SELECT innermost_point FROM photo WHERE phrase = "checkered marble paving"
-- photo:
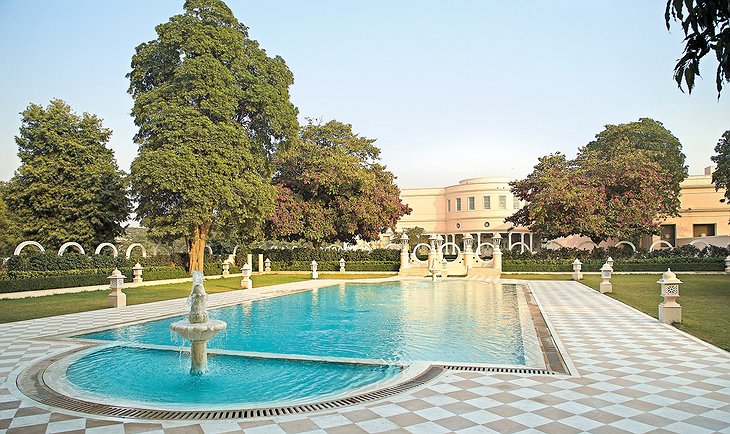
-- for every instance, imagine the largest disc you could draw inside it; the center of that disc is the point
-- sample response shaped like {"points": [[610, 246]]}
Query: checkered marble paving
{"points": [[632, 374]]}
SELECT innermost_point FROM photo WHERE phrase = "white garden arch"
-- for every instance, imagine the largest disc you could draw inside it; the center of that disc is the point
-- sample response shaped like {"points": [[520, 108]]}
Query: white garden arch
{"points": [[101, 246], [65, 246], [415, 250], [209, 250], [458, 254], [628, 243], [132, 246], [693, 242], [25, 244], [520, 243], [666, 243]]}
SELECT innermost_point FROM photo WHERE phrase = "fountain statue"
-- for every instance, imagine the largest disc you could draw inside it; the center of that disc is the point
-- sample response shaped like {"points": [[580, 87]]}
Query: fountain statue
{"points": [[198, 329]]}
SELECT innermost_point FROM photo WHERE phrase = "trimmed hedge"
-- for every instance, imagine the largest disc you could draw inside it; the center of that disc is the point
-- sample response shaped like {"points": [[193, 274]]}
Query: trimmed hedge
{"points": [[320, 255], [17, 281], [49, 261], [691, 263], [335, 266]]}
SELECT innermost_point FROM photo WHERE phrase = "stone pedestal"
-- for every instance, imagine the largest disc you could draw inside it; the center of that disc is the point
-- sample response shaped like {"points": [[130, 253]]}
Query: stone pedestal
{"points": [[404, 260], [226, 269], [606, 287], [198, 357], [117, 299], [342, 265], [261, 263], [267, 265], [670, 313]]}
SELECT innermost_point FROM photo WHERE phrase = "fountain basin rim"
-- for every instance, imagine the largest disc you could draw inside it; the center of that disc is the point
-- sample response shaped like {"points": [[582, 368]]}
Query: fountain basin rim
{"points": [[195, 332]]}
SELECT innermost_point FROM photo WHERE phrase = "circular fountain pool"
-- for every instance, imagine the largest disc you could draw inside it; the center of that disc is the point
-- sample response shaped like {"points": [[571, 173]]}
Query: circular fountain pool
{"points": [[153, 376]]}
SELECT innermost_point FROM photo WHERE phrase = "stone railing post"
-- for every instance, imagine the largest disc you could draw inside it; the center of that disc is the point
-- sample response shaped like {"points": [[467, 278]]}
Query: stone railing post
{"points": [[404, 261], [468, 251], [137, 273], [497, 252], [606, 286], [116, 297], [314, 274], [246, 282], [669, 310], [261, 263], [577, 265]]}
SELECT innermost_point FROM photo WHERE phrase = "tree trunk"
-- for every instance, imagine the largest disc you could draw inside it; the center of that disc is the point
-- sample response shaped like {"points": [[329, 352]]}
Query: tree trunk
{"points": [[197, 247]]}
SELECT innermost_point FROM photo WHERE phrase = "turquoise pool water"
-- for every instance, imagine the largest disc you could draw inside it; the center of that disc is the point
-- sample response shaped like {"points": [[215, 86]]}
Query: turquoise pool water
{"points": [[391, 323], [160, 376], [453, 321]]}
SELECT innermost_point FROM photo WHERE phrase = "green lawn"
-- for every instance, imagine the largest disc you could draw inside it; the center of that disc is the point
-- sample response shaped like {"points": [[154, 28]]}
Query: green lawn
{"points": [[39, 307], [705, 300]]}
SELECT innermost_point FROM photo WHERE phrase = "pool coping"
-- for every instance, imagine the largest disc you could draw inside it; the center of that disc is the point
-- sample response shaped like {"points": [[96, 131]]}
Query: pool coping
{"points": [[30, 379]]}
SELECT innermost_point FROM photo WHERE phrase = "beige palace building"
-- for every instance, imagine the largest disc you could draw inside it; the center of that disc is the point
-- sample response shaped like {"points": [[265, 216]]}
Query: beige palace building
{"points": [[479, 206]]}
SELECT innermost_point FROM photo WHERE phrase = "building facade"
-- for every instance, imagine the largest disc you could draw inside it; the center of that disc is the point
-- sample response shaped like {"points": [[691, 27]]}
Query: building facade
{"points": [[478, 206]]}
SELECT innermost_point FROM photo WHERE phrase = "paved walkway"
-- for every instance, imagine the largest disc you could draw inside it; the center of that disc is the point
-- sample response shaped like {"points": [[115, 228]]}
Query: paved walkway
{"points": [[633, 375]]}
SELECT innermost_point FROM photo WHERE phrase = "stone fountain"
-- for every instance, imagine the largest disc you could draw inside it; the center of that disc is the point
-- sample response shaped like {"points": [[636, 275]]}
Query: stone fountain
{"points": [[198, 328]]}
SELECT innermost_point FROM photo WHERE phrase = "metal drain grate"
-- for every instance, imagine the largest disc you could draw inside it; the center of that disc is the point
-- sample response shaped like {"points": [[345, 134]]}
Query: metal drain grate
{"points": [[498, 369], [31, 383]]}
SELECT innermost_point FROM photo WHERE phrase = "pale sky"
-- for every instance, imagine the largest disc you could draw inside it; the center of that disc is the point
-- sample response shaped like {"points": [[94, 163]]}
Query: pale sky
{"points": [[451, 90]]}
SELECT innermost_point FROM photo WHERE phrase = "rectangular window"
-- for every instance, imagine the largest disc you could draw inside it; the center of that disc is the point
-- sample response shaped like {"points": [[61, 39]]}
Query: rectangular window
{"points": [[487, 202], [448, 205], [707, 230], [471, 203], [458, 204], [502, 202], [516, 203]]}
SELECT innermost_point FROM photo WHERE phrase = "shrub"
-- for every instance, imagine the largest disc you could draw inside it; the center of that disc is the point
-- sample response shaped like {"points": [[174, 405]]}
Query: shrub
{"points": [[335, 266], [691, 263]]}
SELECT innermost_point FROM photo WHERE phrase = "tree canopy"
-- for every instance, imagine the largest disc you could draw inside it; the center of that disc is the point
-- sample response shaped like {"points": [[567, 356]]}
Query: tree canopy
{"points": [[9, 233], [68, 186], [213, 110], [661, 147], [332, 188], [706, 26], [721, 175], [618, 186]]}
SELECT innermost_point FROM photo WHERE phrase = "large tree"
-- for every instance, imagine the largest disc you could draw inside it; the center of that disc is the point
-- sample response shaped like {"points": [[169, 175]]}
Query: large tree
{"points": [[333, 188], [212, 110], [9, 232], [68, 186], [660, 146], [619, 190], [721, 175], [706, 26]]}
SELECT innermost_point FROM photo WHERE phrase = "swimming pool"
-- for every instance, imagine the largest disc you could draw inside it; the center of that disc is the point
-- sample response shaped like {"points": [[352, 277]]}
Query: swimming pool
{"points": [[322, 342]]}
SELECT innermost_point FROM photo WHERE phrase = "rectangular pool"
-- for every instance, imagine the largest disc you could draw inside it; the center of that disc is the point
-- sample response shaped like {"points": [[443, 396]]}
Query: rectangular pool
{"points": [[445, 321]]}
